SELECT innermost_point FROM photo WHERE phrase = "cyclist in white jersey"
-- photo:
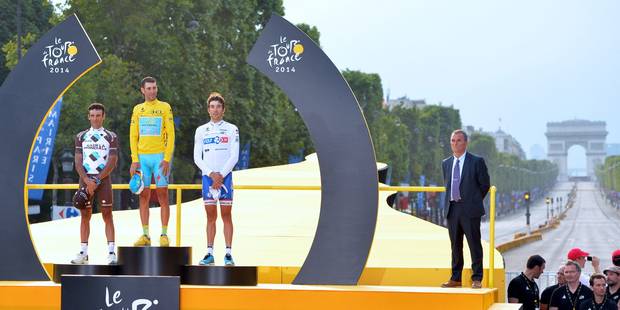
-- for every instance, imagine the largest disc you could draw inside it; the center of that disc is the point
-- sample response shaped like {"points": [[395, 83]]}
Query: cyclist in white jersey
{"points": [[216, 151]]}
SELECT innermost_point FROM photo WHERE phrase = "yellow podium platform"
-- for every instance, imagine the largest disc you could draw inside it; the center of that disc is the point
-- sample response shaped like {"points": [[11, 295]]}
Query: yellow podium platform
{"points": [[46, 296], [274, 230]]}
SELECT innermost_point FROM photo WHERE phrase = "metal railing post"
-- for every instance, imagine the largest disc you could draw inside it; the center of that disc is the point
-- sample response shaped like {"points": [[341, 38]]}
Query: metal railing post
{"points": [[179, 195], [491, 282]]}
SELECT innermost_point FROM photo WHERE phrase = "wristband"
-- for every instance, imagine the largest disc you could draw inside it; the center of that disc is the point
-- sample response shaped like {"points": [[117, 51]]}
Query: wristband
{"points": [[96, 179]]}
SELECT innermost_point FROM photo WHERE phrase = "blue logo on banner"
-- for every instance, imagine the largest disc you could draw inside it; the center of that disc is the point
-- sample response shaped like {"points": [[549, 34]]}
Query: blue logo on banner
{"points": [[296, 158], [244, 158], [421, 195], [42, 151]]}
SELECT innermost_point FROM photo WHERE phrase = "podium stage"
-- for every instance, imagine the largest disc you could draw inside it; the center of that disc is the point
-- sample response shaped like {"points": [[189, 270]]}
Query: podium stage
{"points": [[46, 296], [274, 229]]}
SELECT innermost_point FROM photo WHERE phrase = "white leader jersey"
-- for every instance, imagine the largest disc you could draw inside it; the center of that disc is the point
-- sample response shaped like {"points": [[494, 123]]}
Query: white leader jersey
{"points": [[216, 147]]}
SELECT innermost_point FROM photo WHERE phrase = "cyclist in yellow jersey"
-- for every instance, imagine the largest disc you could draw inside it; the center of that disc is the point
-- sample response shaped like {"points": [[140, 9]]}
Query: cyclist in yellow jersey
{"points": [[151, 137]]}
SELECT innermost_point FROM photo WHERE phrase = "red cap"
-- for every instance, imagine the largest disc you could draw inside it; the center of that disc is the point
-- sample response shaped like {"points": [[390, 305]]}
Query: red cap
{"points": [[616, 253], [576, 253]]}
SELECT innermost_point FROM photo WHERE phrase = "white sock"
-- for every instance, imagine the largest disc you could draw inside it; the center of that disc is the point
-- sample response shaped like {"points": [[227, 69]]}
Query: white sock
{"points": [[210, 249], [111, 247], [228, 250], [84, 248]]}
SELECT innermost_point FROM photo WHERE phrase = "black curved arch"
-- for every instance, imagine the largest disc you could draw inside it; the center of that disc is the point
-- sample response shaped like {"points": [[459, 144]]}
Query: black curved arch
{"points": [[349, 191], [26, 96]]}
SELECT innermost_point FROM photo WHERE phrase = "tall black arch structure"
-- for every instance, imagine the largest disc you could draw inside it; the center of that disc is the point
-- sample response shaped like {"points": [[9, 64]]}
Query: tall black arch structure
{"points": [[349, 182], [50, 67]]}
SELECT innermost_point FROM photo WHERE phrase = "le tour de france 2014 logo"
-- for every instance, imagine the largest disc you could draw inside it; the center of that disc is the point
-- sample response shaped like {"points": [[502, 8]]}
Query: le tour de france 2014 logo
{"points": [[283, 56], [58, 56]]}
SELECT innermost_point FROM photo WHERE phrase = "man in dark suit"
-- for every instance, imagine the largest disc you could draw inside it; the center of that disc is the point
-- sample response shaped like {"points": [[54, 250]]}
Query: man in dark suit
{"points": [[467, 182]]}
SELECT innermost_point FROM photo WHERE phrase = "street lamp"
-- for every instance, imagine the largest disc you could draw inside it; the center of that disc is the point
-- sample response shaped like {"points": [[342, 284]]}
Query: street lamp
{"points": [[526, 197]]}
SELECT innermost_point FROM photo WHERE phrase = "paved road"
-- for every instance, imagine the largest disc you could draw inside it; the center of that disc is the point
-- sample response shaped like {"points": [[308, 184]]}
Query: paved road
{"points": [[591, 224], [507, 225]]}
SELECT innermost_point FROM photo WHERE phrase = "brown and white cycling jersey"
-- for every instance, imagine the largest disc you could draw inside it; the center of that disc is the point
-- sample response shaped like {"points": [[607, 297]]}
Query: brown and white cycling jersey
{"points": [[96, 145]]}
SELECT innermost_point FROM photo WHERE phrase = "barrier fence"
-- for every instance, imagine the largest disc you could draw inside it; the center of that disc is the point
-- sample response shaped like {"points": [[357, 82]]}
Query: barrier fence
{"points": [[383, 188]]}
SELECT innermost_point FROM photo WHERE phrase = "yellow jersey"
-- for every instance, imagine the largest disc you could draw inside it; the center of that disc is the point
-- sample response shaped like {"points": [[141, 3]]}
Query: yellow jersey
{"points": [[151, 130]]}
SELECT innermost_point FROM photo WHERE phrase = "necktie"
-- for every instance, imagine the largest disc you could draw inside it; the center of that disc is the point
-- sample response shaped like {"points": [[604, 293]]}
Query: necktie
{"points": [[456, 182]]}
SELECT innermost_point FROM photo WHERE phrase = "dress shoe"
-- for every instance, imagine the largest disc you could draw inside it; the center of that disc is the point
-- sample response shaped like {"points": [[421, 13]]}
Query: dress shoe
{"points": [[451, 283], [476, 284]]}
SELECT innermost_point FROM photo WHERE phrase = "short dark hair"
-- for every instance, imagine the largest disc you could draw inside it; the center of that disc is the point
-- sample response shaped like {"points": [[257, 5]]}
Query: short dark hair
{"points": [[148, 79], [461, 131], [535, 260], [596, 276], [573, 263], [96, 106], [215, 96]]}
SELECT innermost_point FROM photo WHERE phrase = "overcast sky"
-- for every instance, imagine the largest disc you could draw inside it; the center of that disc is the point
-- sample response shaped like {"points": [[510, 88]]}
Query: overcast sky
{"points": [[524, 62]]}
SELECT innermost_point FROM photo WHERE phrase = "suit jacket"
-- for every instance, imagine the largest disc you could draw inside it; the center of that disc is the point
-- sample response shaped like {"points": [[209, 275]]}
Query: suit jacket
{"points": [[475, 184]]}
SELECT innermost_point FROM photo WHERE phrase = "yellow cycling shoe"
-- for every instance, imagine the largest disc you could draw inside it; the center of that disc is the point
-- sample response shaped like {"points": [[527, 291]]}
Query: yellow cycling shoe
{"points": [[163, 240], [144, 240]]}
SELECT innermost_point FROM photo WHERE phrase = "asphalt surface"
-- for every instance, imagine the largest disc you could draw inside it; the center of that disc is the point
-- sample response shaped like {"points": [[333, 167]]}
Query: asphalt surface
{"points": [[592, 225], [507, 225]]}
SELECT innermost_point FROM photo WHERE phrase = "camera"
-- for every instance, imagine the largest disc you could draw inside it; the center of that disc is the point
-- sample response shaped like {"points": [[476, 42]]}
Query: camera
{"points": [[589, 258]]}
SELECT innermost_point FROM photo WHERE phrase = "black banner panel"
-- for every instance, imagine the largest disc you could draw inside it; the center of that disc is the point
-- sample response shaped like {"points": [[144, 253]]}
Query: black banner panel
{"points": [[119, 292], [349, 183], [49, 68]]}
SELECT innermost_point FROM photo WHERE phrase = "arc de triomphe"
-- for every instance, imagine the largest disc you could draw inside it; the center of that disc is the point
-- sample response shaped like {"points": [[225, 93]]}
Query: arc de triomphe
{"points": [[590, 135]]}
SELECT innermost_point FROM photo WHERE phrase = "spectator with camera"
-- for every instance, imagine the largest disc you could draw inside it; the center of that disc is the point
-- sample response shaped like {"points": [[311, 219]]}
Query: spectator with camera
{"points": [[580, 257], [615, 257]]}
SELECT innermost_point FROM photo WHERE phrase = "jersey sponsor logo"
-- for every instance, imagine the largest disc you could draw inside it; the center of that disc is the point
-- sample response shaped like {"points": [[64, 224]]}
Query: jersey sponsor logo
{"points": [[284, 54], [215, 140], [58, 55], [94, 146], [150, 125]]}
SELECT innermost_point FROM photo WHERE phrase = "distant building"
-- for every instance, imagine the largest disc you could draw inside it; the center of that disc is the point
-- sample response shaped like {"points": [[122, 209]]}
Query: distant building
{"points": [[405, 103], [504, 142]]}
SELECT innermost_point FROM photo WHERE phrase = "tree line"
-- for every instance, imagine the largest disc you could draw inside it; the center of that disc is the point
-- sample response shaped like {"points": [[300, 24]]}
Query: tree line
{"points": [[196, 47]]}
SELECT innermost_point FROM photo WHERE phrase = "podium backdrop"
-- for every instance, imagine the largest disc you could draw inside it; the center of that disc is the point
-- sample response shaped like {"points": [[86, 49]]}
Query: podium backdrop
{"points": [[349, 181], [49, 68]]}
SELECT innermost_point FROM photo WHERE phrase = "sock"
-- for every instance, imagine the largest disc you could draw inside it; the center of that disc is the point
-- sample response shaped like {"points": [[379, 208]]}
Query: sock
{"points": [[228, 250], [145, 230], [111, 247], [84, 248], [210, 249], [164, 230]]}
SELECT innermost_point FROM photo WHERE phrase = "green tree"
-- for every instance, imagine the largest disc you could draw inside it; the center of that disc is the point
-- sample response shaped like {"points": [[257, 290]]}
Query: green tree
{"points": [[368, 91], [391, 139], [36, 20], [483, 145], [312, 32], [436, 124], [9, 49], [192, 48]]}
